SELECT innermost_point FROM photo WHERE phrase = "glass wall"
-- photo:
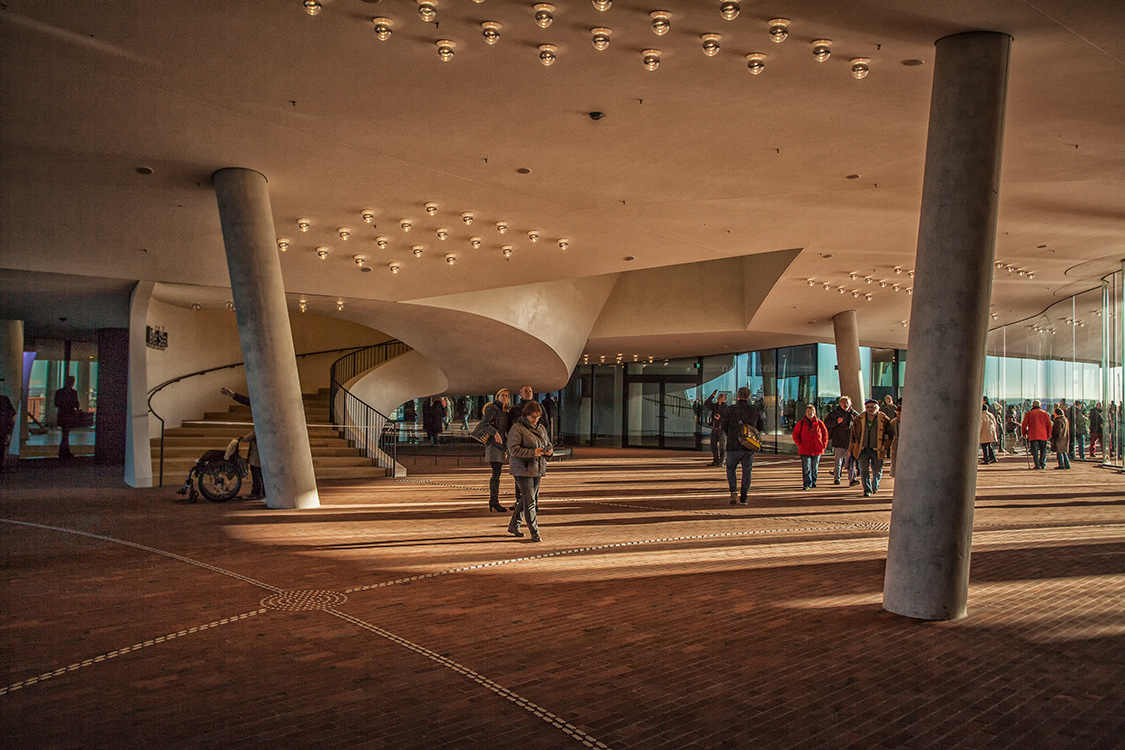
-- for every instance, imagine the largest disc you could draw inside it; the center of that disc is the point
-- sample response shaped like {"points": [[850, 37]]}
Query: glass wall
{"points": [[1069, 356]]}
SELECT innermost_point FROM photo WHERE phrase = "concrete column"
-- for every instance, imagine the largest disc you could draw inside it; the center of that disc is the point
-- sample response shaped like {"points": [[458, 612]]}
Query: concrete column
{"points": [[139, 432], [927, 573], [83, 384], [11, 370], [25, 424], [51, 385], [111, 425], [266, 338], [847, 357]]}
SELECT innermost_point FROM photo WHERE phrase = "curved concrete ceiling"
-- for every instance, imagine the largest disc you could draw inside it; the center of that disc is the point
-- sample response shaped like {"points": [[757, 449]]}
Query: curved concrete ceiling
{"points": [[696, 161]]}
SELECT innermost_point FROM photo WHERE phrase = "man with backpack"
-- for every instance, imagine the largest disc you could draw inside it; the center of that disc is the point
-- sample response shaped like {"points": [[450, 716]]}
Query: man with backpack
{"points": [[742, 423]]}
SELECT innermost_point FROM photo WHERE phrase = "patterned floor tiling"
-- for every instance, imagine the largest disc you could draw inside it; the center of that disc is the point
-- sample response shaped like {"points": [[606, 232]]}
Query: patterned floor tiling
{"points": [[653, 615]]}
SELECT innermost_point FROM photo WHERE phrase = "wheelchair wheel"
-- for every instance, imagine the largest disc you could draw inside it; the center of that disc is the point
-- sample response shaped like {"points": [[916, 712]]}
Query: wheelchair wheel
{"points": [[219, 481]]}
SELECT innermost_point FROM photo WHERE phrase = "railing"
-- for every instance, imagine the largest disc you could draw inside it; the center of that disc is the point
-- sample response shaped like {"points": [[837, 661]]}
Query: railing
{"points": [[167, 383], [365, 426]]}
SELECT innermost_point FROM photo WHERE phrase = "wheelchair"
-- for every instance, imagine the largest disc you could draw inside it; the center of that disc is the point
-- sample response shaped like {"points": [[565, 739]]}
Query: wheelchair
{"points": [[217, 475]]}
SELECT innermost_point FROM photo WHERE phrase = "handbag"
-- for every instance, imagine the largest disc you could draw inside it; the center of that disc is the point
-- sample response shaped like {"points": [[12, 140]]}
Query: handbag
{"points": [[481, 432]]}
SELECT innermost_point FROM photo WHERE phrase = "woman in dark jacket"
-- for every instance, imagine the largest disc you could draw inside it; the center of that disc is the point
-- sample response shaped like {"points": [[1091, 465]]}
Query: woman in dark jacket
{"points": [[1060, 439], [433, 416], [528, 449], [496, 446]]}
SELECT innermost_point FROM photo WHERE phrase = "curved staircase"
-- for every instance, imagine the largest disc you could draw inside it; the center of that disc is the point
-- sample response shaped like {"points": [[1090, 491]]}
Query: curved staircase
{"points": [[333, 456]]}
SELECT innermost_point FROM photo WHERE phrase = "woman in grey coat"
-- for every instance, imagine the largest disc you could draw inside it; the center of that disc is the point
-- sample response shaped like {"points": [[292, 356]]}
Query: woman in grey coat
{"points": [[496, 446], [528, 446]]}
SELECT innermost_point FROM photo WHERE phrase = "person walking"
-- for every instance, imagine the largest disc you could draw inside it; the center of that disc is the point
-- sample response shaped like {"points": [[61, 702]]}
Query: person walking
{"points": [[894, 429], [433, 417], [811, 437], [1096, 424], [869, 444], [1079, 430], [528, 448], [715, 410], [66, 403], [1060, 439], [839, 422], [987, 435], [496, 447], [1036, 427], [888, 407], [738, 455]]}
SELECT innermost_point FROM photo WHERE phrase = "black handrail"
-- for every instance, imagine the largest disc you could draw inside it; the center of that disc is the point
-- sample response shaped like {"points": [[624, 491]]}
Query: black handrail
{"points": [[167, 383], [365, 426]]}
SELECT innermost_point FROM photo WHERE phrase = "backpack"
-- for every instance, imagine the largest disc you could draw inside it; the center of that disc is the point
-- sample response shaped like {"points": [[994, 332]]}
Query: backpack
{"points": [[748, 436]]}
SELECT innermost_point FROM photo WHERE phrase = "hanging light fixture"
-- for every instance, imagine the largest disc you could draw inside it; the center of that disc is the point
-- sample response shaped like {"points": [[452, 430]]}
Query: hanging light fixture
{"points": [[711, 44], [861, 66], [406, 224], [564, 244], [442, 233], [339, 305], [547, 54], [533, 236], [282, 244], [445, 49], [600, 38], [820, 49], [368, 216], [417, 250], [360, 260], [729, 10], [427, 10], [507, 250], [322, 253], [544, 14], [382, 28], [474, 242], [431, 208], [467, 217], [779, 30], [501, 227], [756, 63], [303, 224], [394, 267], [491, 32], [651, 59], [312, 7], [602, 5], [344, 233], [381, 242], [450, 258], [303, 305], [661, 22]]}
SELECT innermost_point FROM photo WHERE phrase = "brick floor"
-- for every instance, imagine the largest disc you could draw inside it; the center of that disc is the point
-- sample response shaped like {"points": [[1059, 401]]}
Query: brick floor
{"points": [[653, 615]]}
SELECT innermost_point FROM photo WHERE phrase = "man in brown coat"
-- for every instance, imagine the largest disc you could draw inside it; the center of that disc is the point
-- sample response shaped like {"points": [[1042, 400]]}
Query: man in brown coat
{"points": [[871, 438]]}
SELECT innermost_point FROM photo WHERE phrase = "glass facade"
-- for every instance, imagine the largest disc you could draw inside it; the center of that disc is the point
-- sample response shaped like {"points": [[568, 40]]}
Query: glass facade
{"points": [[1070, 355]]}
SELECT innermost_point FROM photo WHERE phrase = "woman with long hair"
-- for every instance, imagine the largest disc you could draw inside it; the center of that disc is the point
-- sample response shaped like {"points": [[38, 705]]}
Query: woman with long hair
{"points": [[496, 446]]}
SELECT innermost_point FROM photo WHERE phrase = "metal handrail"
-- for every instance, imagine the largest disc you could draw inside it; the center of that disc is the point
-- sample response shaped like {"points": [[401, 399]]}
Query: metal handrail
{"points": [[366, 427], [167, 383]]}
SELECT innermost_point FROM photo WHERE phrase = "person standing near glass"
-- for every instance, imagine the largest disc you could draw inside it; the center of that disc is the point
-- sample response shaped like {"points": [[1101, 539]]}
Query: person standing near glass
{"points": [[811, 437]]}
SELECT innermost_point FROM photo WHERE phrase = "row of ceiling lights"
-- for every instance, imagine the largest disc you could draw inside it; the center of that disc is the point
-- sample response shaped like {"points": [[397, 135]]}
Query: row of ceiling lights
{"points": [[600, 36], [1002, 266], [621, 358]]}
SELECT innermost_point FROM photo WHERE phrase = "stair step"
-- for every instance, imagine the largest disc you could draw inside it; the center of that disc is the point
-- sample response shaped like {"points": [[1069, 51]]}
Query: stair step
{"points": [[320, 465], [193, 452], [204, 442], [365, 472]]}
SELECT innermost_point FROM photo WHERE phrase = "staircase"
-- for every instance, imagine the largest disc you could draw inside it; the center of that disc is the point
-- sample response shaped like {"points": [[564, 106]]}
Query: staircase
{"points": [[333, 457]]}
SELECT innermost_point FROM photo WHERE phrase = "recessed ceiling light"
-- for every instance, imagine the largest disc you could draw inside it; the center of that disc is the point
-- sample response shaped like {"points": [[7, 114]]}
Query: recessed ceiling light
{"points": [[630, 257], [144, 170], [523, 170], [852, 177], [913, 63]]}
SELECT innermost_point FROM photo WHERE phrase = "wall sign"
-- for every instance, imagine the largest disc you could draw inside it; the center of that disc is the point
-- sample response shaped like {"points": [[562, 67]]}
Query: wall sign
{"points": [[156, 338]]}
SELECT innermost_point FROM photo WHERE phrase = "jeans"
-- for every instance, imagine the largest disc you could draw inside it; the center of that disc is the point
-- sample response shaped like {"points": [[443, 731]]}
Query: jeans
{"points": [[987, 452], [1063, 459], [1095, 438], [871, 469], [809, 466], [745, 459], [1038, 453], [528, 505], [843, 458], [1080, 441], [717, 447]]}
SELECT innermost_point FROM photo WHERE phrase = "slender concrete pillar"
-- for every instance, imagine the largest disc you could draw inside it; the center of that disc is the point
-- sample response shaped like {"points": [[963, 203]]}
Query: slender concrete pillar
{"points": [[266, 338], [140, 426], [83, 384], [112, 424], [927, 574], [11, 370], [847, 357]]}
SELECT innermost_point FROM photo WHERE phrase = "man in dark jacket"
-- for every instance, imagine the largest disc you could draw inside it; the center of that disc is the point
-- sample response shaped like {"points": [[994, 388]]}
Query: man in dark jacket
{"points": [[715, 409], [740, 413], [839, 423], [1096, 427], [66, 402]]}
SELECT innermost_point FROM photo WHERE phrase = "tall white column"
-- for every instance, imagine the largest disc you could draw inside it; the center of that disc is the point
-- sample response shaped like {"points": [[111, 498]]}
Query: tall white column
{"points": [[927, 575], [11, 369], [266, 338], [846, 330]]}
